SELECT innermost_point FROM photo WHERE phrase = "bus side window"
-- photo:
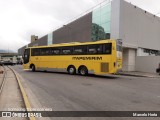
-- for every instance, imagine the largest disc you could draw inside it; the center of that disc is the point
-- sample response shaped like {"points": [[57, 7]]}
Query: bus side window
{"points": [[42, 51], [48, 51], [35, 51], [80, 50], [67, 50], [95, 49], [107, 48], [55, 51], [45, 51], [99, 49], [77, 50]]}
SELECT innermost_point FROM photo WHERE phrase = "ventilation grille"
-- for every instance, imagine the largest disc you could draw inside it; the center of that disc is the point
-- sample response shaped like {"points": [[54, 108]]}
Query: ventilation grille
{"points": [[104, 67]]}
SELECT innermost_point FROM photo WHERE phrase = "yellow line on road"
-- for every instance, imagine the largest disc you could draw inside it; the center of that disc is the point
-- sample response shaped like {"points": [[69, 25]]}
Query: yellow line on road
{"points": [[25, 98]]}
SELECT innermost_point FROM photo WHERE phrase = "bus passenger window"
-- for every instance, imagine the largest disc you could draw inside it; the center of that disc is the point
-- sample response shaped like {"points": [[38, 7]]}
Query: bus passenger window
{"points": [[79, 50], [45, 51], [67, 50], [95, 49], [42, 51], [55, 51], [35, 52], [100, 49], [107, 48], [92, 50]]}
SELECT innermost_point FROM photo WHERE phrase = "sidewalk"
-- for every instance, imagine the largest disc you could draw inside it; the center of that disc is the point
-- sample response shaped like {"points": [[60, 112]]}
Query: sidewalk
{"points": [[140, 74], [1, 75], [10, 97]]}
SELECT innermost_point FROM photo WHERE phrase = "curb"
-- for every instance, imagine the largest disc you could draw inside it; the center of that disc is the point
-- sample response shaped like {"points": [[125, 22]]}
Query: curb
{"points": [[132, 75], [24, 95], [3, 80], [135, 75]]}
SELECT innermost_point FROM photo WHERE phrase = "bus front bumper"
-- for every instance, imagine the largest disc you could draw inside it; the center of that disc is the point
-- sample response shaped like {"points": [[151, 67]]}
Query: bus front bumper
{"points": [[26, 66]]}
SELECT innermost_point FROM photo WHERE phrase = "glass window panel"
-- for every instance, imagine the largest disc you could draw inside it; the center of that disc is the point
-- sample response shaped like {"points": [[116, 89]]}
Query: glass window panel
{"points": [[105, 18], [106, 27], [95, 49], [97, 20], [49, 41], [80, 49], [67, 50], [96, 13], [108, 48], [105, 9], [101, 18], [35, 52], [55, 51]]}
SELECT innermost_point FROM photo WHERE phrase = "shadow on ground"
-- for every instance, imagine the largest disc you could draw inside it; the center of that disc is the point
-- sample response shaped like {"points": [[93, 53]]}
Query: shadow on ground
{"points": [[110, 76]]}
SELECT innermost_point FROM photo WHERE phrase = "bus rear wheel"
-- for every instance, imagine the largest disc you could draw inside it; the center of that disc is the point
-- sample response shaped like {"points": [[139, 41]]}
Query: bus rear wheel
{"points": [[33, 68], [71, 70], [83, 70]]}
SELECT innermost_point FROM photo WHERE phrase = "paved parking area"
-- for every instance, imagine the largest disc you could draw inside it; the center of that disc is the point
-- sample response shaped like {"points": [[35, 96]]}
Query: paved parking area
{"points": [[66, 92], [61, 91]]}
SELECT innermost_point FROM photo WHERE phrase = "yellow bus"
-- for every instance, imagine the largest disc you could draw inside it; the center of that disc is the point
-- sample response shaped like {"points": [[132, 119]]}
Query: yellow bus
{"points": [[100, 57]]}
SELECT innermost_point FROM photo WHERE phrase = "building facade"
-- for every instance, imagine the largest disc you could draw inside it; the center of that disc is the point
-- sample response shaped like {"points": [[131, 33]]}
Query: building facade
{"points": [[116, 19]]}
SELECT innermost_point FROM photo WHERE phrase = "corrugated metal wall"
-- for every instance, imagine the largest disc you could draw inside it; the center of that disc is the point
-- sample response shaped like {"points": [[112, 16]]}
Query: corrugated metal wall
{"points": [[77, 31]]}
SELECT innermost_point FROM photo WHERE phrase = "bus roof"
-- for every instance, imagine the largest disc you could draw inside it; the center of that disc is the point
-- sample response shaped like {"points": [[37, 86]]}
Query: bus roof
{"points": [[74, 43]]}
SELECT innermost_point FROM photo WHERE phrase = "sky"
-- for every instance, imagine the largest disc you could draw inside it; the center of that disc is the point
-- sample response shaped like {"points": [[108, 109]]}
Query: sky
{"points": [[19, 19]]}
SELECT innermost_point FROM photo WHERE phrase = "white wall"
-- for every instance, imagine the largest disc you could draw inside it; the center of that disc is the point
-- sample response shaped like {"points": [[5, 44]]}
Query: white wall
{"points": [[147, 63], [115, 19], [137, 28]]}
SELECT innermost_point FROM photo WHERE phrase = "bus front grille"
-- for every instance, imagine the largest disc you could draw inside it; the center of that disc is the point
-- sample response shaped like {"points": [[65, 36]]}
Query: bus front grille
{"points": [[104, 67]]}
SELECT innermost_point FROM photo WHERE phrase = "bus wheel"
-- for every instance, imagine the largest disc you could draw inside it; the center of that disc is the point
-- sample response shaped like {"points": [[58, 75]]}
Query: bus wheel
{"points": [[71, 70], [83, 70], [33, 68]]}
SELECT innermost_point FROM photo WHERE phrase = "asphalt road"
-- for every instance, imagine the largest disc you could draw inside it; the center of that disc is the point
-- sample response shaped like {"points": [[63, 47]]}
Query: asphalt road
{"points": [[61, 91]]}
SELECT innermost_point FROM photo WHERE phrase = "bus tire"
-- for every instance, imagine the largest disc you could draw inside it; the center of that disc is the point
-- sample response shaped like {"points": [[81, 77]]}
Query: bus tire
{"points": [[33, 68], [83, 70], [71, 70]]}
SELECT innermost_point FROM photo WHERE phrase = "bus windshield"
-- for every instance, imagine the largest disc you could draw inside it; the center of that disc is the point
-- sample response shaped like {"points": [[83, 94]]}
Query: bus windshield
{"points": [[26, 56]]}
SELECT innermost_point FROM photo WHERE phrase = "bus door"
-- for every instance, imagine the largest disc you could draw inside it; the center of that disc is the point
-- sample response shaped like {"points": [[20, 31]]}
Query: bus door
{"points": [[26, 56]]}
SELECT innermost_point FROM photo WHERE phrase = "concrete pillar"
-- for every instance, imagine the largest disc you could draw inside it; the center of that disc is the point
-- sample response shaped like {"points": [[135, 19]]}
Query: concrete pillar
{"points": [[125, 59], [129, 58], [115, 19]]}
